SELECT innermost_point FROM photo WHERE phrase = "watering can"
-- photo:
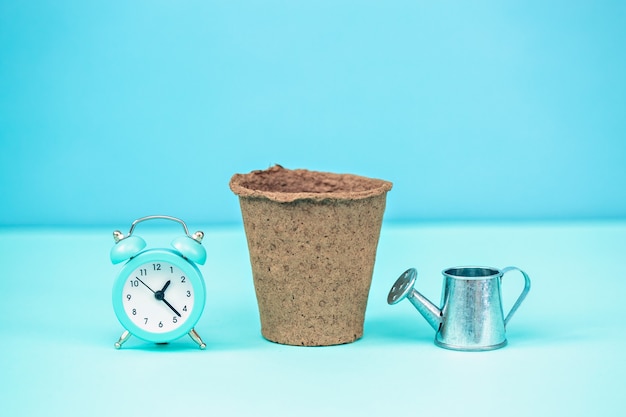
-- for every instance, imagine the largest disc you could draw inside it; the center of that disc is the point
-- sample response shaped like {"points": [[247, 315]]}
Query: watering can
{"points": [[471, 317]]}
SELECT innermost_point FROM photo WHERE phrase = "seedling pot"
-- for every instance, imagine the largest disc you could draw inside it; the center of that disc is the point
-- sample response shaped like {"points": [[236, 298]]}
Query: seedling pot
{"points": [[312, 239]]}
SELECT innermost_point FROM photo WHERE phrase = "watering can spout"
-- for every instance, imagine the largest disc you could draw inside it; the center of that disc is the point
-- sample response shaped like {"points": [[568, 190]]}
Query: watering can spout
{"points": [[404, 288]]}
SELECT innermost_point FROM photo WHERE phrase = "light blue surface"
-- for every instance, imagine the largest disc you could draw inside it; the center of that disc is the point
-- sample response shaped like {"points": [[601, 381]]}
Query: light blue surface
{"points": [[564, 357], [484, 110]]}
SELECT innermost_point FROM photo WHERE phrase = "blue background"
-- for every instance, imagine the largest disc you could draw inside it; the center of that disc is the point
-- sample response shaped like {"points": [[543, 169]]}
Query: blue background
{"points": [[487, 110], [477, 111]]}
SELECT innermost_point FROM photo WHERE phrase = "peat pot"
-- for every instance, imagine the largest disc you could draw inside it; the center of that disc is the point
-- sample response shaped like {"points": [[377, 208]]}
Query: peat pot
{"points": [[312, 239]]}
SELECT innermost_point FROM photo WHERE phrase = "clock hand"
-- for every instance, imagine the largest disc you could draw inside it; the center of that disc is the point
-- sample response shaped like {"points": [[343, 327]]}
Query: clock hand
{"points": [[160, 295], [146, 285], [170, 306]]}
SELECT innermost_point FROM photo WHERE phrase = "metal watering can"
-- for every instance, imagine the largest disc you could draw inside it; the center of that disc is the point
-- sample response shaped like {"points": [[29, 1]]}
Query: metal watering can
{"points": [[471, 316]]}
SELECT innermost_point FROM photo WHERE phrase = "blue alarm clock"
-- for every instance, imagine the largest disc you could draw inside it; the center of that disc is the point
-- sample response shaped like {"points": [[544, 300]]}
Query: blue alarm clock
{"points": [[159, 295]]}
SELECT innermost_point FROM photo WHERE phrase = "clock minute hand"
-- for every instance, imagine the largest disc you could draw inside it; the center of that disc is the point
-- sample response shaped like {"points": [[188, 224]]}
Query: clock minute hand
{"points": [[160, 295], [170, 306]]}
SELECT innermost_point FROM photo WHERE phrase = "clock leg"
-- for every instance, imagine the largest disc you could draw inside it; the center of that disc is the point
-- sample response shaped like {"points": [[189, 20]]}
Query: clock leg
{"points": [[196, 338], [123, 338]]}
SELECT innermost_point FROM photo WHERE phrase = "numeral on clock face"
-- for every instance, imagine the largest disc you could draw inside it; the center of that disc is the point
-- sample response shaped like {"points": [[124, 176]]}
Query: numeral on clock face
{"points": [[158, 297]]}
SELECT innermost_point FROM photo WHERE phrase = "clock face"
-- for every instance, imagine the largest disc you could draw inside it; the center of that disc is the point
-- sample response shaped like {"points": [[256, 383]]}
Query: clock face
{"points": [[158, 296]]}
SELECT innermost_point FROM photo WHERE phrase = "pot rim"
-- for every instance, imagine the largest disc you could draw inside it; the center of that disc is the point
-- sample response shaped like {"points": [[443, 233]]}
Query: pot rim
{"points": [[369, 187]]}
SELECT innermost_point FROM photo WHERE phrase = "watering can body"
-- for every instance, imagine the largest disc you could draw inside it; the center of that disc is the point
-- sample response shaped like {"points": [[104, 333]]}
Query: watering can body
{"points": [[471, 316]]}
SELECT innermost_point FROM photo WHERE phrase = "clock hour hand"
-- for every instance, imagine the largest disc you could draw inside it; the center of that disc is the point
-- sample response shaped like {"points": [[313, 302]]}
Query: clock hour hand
{"points": [[160, 295]]}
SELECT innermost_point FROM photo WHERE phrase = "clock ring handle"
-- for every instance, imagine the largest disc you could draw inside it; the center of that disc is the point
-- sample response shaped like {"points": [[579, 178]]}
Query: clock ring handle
{"points": [[189, 246], [196, 236]]}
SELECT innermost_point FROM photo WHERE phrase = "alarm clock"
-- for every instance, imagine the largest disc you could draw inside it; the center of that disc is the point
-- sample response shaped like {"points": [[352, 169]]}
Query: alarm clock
{"points": [[159, 294]]}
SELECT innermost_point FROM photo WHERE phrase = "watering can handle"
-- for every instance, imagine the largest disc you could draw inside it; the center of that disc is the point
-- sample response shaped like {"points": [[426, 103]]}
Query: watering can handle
{"points": [[521, 297]]}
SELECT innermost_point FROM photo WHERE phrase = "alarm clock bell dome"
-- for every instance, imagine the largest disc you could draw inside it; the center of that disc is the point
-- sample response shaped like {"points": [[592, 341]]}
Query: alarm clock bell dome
{"points": [[190, 249], [127, 248]]}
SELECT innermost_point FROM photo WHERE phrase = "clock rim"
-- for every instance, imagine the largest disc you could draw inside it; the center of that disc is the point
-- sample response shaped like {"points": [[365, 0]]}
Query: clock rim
{"points": [[192, 273]]}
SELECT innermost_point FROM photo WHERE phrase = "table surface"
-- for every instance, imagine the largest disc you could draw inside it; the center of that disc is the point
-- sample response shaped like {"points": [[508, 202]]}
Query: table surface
{"points": [[564, 357]]}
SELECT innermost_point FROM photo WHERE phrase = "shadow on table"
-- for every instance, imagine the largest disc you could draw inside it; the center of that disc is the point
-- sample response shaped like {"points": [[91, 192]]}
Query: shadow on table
{"points": [[524, 333]]}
